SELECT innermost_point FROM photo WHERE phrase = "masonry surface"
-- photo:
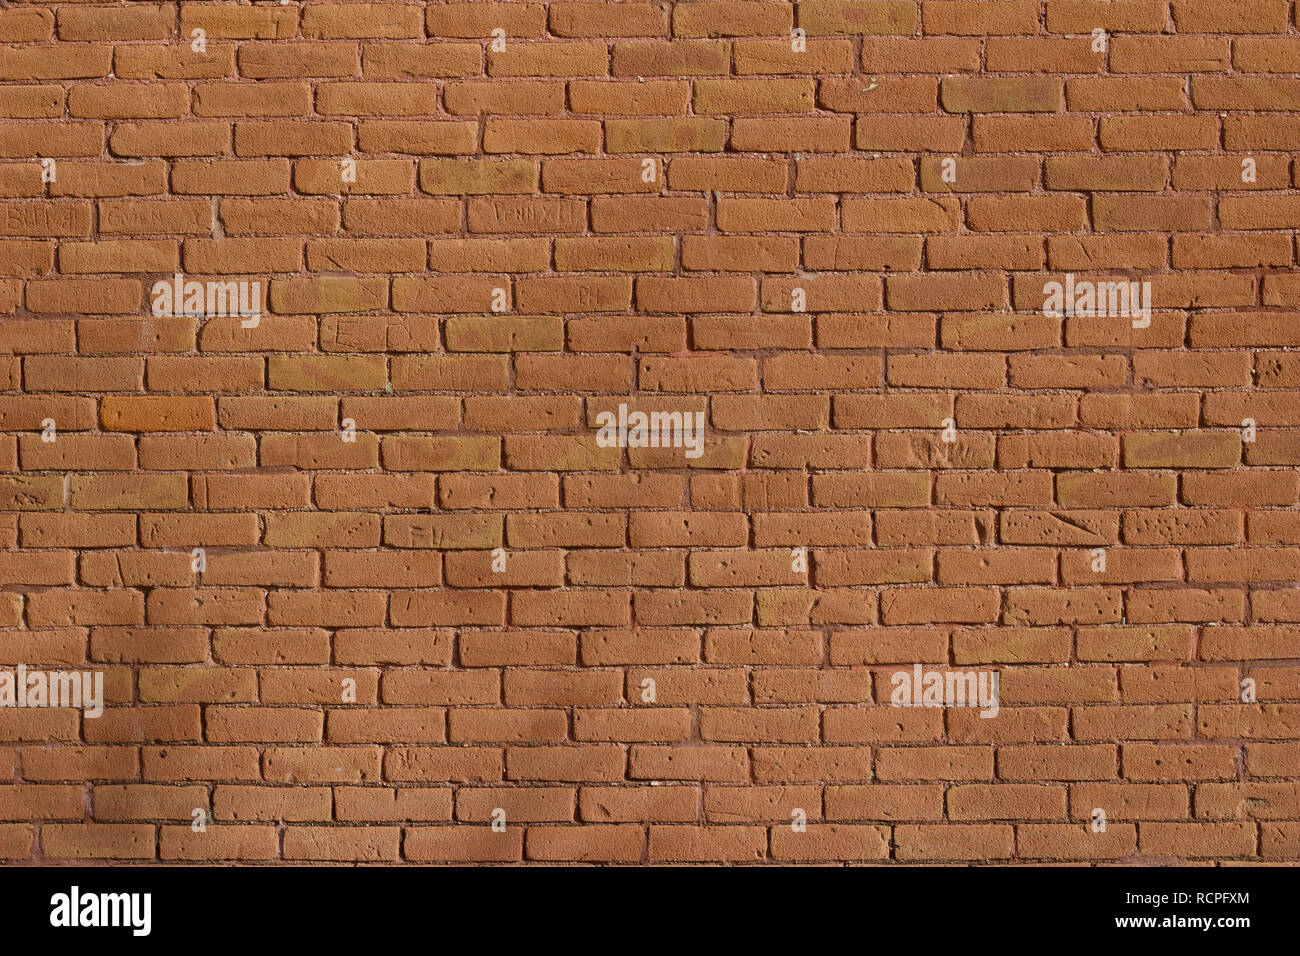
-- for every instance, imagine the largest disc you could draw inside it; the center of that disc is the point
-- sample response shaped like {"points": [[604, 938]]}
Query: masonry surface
{"points": [[362, 580]]}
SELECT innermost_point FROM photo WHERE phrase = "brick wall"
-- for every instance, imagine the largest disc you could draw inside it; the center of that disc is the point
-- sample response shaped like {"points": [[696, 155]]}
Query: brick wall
{"points": [[367, 568]]}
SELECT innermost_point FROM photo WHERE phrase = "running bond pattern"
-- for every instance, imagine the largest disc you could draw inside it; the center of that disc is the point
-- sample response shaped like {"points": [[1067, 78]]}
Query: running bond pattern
{"points": [[666, 285]]}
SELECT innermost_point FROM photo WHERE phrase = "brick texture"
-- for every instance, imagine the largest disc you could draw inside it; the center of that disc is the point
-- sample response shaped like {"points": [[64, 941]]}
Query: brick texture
{"points": [[364, 580]]}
